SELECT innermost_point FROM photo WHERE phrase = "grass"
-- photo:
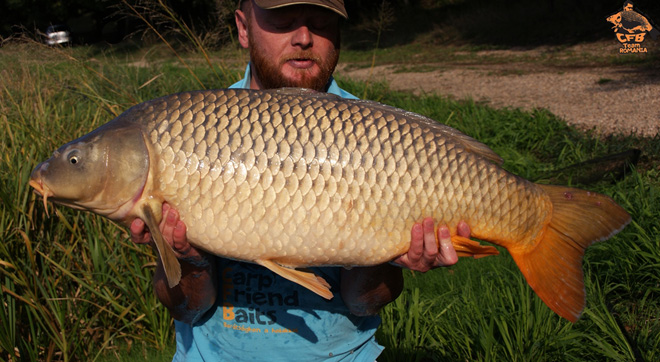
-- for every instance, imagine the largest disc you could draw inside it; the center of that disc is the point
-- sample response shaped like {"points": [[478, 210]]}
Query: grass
{"points": [[75, 288], [71, 282], [125, 352]]}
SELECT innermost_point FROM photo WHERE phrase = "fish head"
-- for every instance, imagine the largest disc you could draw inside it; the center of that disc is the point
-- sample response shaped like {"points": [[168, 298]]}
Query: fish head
{"points": [[615, 19], [104, 172]]}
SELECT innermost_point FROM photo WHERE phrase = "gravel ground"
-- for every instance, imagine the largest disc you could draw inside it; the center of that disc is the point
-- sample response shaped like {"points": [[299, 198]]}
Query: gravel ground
{"points": [[621, 99]]}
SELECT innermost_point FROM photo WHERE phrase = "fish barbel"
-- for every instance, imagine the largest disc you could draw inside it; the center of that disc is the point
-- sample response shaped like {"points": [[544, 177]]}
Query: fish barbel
{"points": [[294, 178]]}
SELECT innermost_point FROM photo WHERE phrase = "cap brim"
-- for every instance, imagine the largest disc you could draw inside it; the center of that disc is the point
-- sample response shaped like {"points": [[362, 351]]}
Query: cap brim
{"points": [[274, 4]]}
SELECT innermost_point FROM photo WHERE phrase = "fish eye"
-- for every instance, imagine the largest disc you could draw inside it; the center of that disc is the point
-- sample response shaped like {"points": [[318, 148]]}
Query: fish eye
{"points": [[73, 157]]}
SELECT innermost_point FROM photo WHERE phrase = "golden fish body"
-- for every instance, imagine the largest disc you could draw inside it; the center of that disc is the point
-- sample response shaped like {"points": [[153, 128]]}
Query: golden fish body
{"points": [[289, 178]]}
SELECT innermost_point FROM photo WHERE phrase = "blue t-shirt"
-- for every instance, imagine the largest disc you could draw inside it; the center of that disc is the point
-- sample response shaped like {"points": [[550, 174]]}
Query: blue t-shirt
{"points": [[260, 316]]}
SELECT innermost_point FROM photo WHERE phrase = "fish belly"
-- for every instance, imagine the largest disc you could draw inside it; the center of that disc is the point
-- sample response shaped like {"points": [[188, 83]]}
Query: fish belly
{"points": [[305, 181]]}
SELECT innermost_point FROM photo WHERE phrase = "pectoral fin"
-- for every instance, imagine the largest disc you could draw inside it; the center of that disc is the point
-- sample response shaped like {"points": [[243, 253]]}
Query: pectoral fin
{"points": [[308, 280], [468, 247], [169, 261]]}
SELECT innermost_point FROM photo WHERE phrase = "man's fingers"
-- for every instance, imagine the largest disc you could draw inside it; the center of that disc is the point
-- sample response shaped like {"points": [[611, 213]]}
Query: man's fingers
{"points": [[447, 255], [174, 231], [416, 242], [179, 233], [167, 224], [463, 229], [137, 227], [171, 228], [138, 233], [430, 244]]}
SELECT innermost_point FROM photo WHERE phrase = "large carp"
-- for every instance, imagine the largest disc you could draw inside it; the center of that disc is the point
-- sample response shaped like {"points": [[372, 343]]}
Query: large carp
{"points": [[292, 178]]}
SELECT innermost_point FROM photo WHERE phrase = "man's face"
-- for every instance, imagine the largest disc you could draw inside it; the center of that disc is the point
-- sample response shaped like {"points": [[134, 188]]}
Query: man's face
{"points": [[628, 7], [293, 46]]}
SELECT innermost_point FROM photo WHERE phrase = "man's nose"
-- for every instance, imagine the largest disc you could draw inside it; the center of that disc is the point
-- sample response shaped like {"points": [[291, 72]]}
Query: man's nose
{"points": [[302, 37]]}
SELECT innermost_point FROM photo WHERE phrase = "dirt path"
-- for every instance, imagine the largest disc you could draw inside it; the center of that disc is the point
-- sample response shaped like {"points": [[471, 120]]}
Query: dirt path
{"points": [[609, 99]]}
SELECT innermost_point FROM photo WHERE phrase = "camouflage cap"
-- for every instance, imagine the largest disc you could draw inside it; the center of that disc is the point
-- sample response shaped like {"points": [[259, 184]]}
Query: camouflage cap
{"points": [[334, 5]]}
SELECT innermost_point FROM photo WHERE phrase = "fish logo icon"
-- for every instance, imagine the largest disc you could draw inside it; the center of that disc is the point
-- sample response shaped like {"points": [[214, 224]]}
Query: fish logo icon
{"points": [[631, 29]]}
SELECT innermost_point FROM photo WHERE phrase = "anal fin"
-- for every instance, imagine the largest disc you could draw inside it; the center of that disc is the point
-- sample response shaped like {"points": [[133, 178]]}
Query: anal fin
{"points": [[308, 280], [469, 248]]}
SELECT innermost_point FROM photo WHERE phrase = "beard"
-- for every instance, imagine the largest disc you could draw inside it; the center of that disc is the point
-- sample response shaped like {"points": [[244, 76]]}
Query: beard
{"points": [[269, 71]]}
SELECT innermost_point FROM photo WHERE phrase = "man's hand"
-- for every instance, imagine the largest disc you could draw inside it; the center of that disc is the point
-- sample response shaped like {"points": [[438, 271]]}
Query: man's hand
{"points": [[424, 253], [196, 292], [173, 231]]}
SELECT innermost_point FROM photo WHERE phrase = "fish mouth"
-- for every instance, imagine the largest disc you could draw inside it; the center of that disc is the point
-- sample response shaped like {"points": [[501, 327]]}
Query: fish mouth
{"points": [[42, 190]]}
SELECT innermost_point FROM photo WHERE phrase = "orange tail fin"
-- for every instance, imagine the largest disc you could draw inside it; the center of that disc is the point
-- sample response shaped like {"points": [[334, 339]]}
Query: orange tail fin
{"points": [[553, 264]]}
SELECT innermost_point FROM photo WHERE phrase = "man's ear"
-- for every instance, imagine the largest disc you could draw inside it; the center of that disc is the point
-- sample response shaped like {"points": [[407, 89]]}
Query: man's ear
{"points": [[242, 26]]}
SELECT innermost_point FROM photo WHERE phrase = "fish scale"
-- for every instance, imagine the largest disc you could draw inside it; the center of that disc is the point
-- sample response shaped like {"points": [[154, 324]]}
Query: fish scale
{"points": [[293, 178], [387, 208]]}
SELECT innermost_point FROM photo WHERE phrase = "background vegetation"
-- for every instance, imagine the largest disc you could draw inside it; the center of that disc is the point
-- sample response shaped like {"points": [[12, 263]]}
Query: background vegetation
{"points": [[483, 22], [73, 286]]}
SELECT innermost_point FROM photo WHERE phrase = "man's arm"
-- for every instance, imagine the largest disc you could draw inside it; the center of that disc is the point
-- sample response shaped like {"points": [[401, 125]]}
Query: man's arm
{"points": [[365, 290], [196, 292]]}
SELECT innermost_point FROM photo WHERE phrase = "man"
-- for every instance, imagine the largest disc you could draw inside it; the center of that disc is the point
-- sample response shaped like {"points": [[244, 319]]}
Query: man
{"points": [[226, 309]]}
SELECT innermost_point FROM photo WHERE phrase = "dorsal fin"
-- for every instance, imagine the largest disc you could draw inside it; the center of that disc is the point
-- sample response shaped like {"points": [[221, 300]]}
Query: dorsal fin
{"points": [[470, 144]]}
